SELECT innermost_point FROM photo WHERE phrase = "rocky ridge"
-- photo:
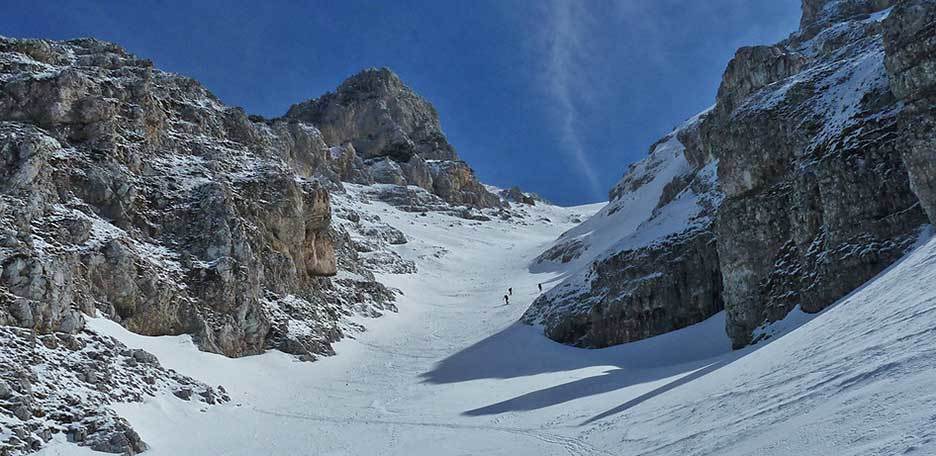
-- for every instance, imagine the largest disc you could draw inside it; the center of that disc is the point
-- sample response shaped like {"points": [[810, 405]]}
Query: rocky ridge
{"points": [[822, 151]]}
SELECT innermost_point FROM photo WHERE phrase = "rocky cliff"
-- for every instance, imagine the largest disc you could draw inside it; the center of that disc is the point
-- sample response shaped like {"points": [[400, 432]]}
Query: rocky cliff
{"points": [[136, 194], [822, 156], [910, 50], [646, 264]]}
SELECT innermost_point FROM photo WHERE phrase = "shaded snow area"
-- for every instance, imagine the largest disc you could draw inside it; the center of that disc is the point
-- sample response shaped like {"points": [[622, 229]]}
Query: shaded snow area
{"points": [[452, 373]]}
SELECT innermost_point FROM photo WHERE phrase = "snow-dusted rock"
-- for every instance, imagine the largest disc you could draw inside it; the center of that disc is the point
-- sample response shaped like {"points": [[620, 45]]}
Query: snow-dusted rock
{"points": [[64, 384], [144, 197], [646, 264], [817, 196], [811, 149]]}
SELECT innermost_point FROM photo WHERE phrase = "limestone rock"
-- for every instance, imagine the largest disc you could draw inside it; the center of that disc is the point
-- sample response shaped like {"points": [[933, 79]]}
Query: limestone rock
{"points": [[817, 197], [647, 263], [514, 194], [641, 293], [137, 193], [380, 116], [910, 44], [454, 181], [397, 134]]}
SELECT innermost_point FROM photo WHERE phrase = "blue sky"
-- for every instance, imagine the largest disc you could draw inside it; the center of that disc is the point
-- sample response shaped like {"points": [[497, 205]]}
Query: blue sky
{"points": [[556, 96]]}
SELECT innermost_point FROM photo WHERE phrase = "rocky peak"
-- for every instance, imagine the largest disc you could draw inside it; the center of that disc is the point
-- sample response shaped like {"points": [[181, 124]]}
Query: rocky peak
{"points": [[381, 116], [373, 81], [397, 134]]}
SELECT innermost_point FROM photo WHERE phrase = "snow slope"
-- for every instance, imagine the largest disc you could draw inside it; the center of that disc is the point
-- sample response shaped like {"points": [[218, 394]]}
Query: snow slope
{"points": [[620, 221], [636, 215], [453, 374]]}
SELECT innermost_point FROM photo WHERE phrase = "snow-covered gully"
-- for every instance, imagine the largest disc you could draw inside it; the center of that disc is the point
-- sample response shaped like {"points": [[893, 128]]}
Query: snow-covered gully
{"points": [[453, 373]]}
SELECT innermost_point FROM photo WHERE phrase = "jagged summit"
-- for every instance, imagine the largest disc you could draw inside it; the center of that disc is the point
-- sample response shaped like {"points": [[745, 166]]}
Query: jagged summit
{"points": [[397, 134], [369, 82], [380, 115]]}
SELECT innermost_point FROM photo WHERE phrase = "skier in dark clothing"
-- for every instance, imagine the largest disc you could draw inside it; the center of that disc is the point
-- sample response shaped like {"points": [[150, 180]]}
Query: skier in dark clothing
{"points": [[510, 291], [506, 300], [540, 287]]}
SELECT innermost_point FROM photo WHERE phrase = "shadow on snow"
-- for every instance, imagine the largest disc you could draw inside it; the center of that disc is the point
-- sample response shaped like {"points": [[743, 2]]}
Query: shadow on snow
{"points": [[520, 350]]}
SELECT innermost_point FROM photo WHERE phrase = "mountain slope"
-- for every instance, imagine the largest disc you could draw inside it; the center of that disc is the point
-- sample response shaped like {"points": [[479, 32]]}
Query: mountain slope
{"points": [[136, 193], [453, 374], [151, 238], [821, 174]]}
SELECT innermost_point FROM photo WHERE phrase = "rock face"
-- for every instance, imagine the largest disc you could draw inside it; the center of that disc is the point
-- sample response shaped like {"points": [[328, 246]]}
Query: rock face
{"points": [[822, 171], [817, 196], [137, 193], [639, 293], [647, 263], [910, 44], [397, 134]]}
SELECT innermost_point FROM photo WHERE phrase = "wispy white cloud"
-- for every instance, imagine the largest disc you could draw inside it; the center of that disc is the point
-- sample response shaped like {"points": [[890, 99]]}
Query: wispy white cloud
{"points": [[597, 56], [566, 77]]}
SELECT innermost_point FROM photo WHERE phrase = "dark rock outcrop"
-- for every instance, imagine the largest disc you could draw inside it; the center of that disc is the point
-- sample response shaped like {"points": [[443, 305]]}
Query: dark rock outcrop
{"points": [[641, 293], [817, 196], [910, 44]]}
